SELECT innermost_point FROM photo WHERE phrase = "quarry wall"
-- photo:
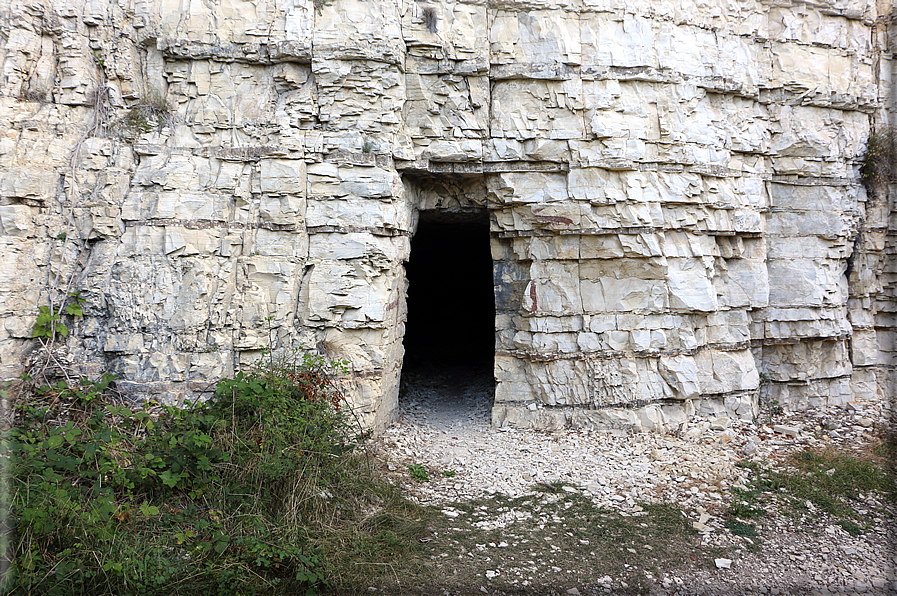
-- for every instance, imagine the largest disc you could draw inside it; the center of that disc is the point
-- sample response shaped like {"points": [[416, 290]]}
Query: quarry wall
{"points": [[678, 219]]}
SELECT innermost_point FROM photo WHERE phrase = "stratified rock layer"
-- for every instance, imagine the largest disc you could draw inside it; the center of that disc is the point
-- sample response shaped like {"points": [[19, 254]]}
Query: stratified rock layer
{"points": [[678, 220]]}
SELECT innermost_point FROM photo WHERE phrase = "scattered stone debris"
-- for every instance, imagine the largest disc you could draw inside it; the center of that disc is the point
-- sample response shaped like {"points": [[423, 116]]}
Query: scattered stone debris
{"points": [[445, 426]]}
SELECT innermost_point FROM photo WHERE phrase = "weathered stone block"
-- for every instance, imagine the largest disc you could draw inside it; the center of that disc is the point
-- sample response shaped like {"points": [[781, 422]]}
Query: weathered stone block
{"points": [[17, 220], [724, 372], [690, 287], [535, 38], [33, 184], [272, 243], [553, 289], [526, 109], [681, 374], [282, 176]]}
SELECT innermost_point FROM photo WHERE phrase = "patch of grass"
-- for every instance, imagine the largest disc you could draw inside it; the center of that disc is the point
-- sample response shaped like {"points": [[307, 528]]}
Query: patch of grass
{"points": [[153, 112], [741, 529], [886, 450], [550, 487], [543, 538], [845, 474], [744, 530], [877, 163], [814, 481], [382, 544], [746, 503], [851, 528], [660, 539], [884, 453]]}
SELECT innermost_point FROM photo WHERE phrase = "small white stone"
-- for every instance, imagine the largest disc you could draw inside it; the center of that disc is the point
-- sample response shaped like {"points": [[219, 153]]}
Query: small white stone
{"points": [[723, 563], [720, 423], [781, 429]]}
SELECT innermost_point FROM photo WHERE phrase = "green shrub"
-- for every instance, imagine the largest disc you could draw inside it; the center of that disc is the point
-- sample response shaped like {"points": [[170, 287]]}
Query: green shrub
{"points": [[49, 323], [223, 497], [285, 425]]}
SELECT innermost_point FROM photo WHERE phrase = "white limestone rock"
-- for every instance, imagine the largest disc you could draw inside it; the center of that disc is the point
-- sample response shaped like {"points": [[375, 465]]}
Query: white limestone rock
{"points": [[673, 192]]}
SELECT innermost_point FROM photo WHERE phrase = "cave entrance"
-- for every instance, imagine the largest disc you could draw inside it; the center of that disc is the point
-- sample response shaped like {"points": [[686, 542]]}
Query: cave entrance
{"points": [[450, 328]]}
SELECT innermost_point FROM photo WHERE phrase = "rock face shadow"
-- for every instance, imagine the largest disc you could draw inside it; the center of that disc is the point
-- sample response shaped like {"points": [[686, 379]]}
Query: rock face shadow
{"points": [[449, 340], [451, 294]]}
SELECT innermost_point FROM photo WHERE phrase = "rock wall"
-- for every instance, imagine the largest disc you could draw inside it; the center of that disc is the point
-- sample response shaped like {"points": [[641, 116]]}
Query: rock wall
{"points": [[678, 218]]}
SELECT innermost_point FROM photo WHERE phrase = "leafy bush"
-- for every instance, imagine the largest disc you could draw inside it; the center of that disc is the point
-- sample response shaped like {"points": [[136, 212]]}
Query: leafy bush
{"points": [[419, 473], [310, 429], [222, 497], [49, 324]]}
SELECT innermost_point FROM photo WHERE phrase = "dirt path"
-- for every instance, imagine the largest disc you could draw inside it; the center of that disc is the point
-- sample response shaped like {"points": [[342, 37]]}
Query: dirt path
{"points": [[577, 512]]}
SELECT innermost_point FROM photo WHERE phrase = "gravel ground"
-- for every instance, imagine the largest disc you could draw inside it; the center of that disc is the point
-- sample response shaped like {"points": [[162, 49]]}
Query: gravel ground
{"points": [[444, 426]]}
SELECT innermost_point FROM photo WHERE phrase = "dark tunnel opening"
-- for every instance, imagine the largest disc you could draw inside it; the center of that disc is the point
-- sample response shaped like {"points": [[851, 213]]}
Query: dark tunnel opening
{"points": [[451, 304]]}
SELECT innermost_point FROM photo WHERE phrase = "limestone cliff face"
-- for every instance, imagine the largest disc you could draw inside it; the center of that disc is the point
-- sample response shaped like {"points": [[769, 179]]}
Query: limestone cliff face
{"points": [[678, 220]]}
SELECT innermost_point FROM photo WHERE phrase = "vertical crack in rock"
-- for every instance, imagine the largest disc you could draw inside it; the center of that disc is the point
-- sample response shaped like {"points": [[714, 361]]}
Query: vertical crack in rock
{"points": [[302, 295]]}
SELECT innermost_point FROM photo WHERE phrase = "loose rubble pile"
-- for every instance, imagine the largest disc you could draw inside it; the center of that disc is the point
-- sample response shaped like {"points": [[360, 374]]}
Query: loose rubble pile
{"points": [[452, 432], [445, 427]]}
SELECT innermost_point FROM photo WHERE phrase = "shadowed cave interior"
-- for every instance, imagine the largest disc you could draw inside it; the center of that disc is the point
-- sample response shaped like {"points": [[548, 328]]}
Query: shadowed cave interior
{"points": [[450, 330]]}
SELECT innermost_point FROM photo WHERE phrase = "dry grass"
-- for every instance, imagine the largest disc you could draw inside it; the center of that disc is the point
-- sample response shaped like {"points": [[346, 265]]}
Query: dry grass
{"points": [[878, 162]]}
